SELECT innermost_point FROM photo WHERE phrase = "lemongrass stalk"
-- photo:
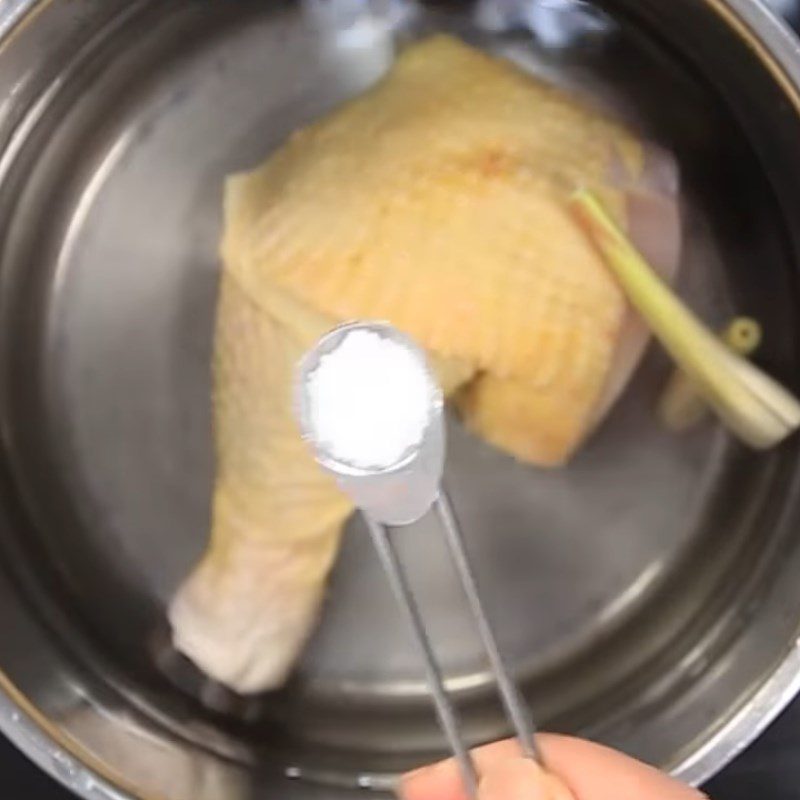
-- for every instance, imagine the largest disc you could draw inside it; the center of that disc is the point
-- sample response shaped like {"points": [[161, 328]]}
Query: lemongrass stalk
{"points": [[754, 406], [681, 405], [742, 335]]}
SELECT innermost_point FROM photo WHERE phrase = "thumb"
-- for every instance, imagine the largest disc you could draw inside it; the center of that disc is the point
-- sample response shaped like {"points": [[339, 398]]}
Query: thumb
{"points": [[521, 779]]}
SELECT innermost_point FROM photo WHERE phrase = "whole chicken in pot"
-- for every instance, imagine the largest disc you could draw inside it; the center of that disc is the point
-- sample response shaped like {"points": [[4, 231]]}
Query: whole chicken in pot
{"points": [[435, 201]]}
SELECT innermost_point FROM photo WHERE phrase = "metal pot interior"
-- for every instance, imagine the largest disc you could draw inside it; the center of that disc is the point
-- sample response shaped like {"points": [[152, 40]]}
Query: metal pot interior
{"points": [[644, 597]]}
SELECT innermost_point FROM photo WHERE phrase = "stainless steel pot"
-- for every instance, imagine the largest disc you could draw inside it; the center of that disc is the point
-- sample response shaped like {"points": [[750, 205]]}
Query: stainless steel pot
{"points": [[647, 596]]}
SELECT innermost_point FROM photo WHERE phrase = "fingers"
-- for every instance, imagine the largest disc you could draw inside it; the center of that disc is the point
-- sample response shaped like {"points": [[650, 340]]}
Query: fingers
{"points": [[578, 770], [443, 781], [594, 772], [521, 779]]}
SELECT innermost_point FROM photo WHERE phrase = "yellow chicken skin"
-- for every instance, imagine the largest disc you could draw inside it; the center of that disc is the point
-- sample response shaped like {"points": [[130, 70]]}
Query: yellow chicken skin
{"points": [[434, 201]]}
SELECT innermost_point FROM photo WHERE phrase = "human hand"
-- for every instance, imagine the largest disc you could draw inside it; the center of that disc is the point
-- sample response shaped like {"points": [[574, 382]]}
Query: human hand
{"points": [[577, 770]]}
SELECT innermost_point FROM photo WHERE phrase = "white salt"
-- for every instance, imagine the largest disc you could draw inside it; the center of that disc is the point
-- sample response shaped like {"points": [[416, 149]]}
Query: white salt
{"points": [[369, 400]]}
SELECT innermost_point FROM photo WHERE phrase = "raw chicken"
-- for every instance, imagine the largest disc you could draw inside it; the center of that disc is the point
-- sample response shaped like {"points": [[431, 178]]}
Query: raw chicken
{"points": [[435, 201]]}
